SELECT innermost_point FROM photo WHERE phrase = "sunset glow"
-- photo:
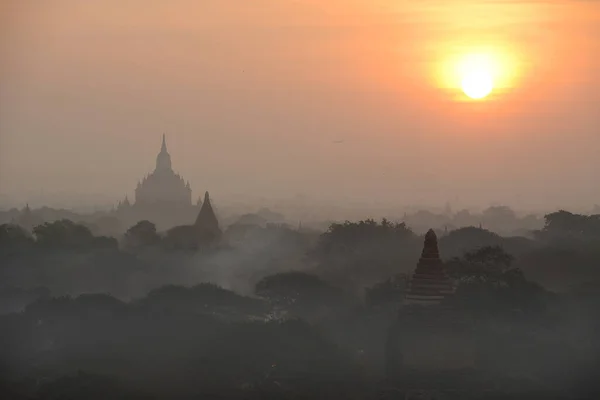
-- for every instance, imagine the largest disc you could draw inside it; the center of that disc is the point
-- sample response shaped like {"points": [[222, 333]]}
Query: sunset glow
{"points": [[478, 74], [477, 77], [342, 86]]}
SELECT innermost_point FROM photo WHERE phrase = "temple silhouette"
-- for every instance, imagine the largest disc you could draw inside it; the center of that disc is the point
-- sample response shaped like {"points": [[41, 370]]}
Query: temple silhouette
{"points": [[204, 232], [163, 185], [428, 334], [429, 284], [163, 197]]}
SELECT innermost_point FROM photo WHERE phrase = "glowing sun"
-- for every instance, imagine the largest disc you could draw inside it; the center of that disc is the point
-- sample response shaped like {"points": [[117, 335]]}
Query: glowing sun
{"points": [[477, 76], [478, 73], [477, 84]]}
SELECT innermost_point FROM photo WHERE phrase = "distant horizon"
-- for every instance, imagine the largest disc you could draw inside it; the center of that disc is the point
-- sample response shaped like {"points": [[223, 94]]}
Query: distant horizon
{"points": [[102, 202]]}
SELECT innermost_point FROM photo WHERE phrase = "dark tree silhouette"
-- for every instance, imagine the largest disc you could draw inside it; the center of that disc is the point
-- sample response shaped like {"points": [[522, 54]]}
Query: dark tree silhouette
{"points": [[206, 341], [498, 214], [63, 233], [486, 264], [486, 281], [204, 298], [362, 253], [141, 234], [348, 236], [390, 291], [14, 239], [462, 240], [563, 225], [299, 293], [182, 237]]}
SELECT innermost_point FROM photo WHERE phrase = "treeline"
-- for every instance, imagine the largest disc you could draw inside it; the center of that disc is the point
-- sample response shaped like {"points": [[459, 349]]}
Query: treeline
{"points": [[297, 336], [68, 259], [312, 319]]}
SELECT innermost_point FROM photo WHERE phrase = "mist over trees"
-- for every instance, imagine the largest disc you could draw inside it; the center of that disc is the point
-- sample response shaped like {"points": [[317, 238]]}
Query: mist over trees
{"points": [[275, 311]]}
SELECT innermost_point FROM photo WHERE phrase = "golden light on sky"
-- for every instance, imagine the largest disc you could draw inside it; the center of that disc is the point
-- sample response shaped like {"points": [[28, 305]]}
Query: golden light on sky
{"points": [[478, 71], [387, 77]]}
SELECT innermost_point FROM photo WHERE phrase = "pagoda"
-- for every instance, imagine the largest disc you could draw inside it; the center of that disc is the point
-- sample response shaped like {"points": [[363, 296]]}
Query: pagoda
{"points": [[429, 334], [429, 284], [204, 232], [207, 224], [162, 196], [163, 186]]}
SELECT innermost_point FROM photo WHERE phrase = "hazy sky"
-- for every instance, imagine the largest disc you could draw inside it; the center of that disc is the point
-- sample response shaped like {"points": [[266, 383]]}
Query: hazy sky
{"points": [[253, 94]]}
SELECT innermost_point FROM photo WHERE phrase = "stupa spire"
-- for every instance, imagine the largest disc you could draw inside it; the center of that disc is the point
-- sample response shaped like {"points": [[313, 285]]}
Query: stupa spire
{"points": [[429, 283], [207, 220], [163, 160], [430, 247]]}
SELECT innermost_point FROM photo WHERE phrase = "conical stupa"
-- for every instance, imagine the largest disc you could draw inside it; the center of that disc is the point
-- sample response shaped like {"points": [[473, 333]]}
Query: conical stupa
{"points": [[206, 222], [429, 284]]}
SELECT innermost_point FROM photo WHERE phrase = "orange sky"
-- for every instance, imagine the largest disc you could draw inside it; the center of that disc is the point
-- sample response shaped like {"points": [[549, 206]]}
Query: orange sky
{"points": [[252, 94]]}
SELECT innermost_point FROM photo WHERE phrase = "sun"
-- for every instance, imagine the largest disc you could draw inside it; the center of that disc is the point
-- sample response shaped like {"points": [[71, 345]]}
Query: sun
{"points": [[477, 73], [477, 84], [477, 76]]}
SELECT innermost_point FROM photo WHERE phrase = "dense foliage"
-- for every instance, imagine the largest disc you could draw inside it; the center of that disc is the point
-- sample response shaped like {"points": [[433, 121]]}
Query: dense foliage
{"points": [[279, 313]]}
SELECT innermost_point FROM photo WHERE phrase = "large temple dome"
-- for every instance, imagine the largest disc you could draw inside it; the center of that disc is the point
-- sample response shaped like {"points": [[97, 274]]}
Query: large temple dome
{"points": [[163, 186]]}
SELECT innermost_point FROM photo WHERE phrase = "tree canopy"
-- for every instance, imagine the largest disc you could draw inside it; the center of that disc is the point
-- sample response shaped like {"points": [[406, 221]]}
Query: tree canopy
{"points": [[564, 223], [142, 234], [487, 281], [299, 293], [63, 233], [14, 238], [365, 251]]}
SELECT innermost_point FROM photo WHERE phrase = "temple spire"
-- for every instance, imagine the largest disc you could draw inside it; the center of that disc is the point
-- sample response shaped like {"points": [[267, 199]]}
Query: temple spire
{"points": [[163, 160], [429, 283], [206, 222], [430, 247]]}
